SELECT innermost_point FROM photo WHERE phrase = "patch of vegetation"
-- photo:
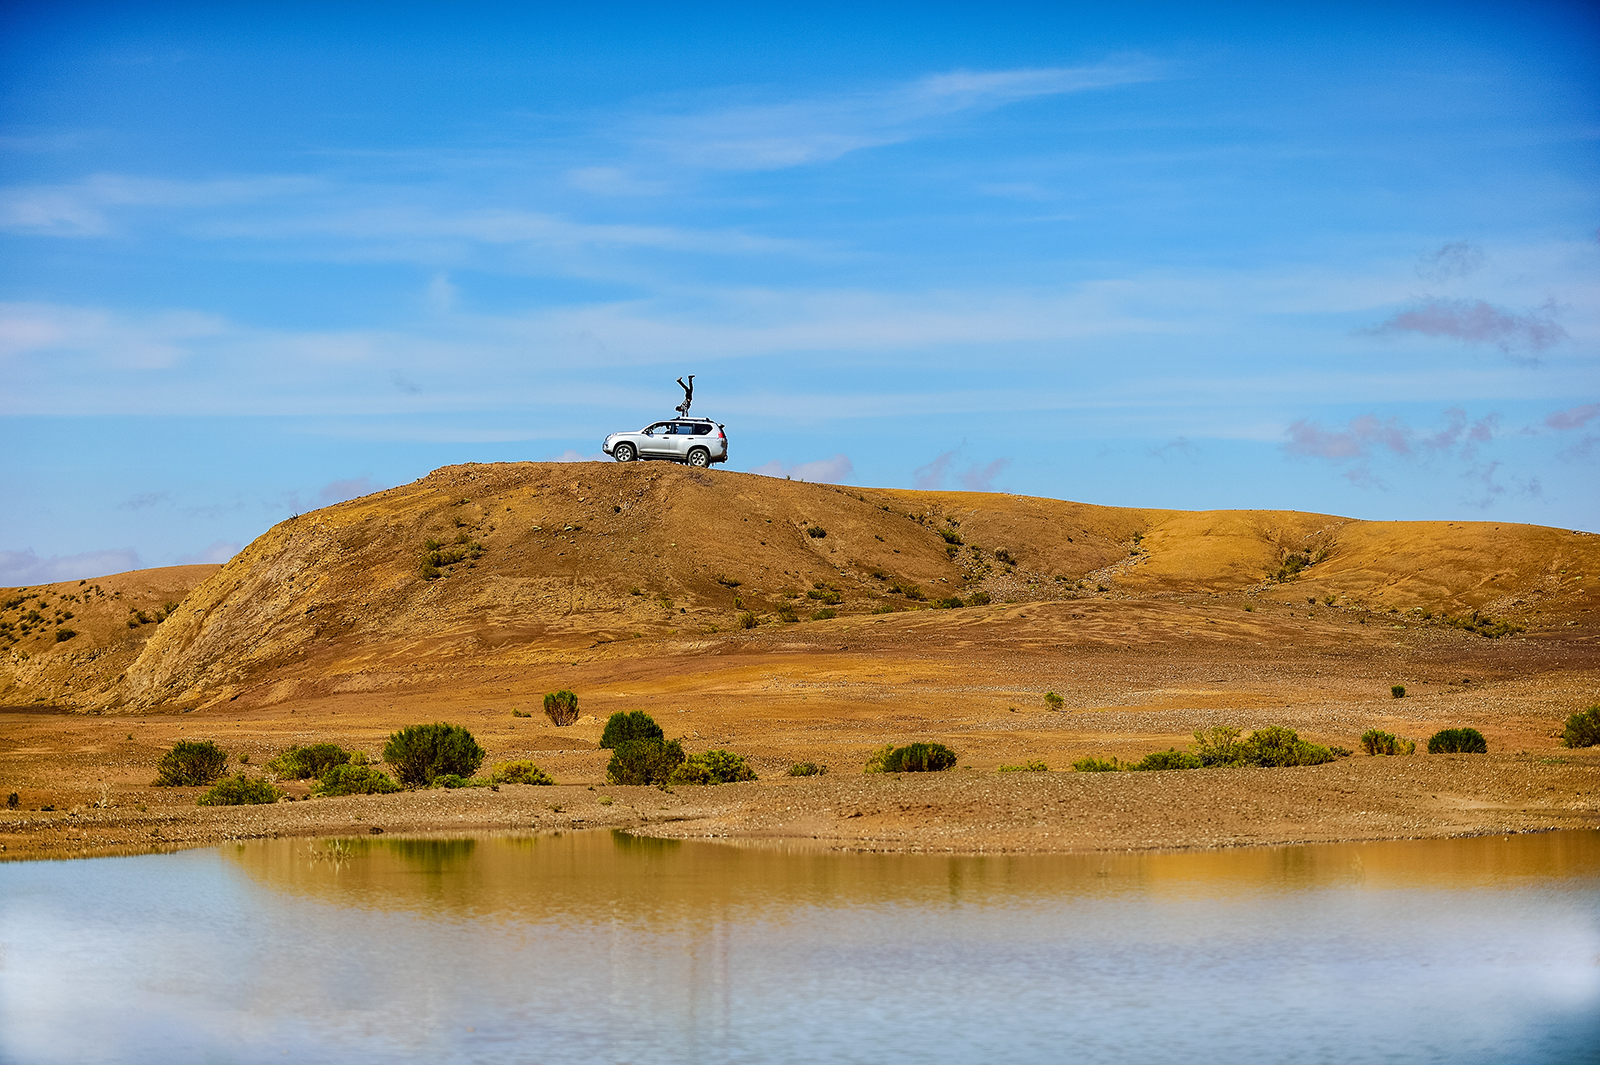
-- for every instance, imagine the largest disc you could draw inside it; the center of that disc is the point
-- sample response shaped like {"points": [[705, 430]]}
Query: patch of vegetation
{"points": [[979, 598], [1168, 759], [727, 582], [1030, 766], [1005, 556], [422, 753], [625, 725], [436, 556], [786, 613], [1583, 728], [876, 760], [825, 593], [885, 608], [712, 767], [1397, 691], [298, 763], [644, 761], [1375, 742], [919, 758], [824, 614], [1458, 741], [522, 772], [748, 620], [1096, 765], [951, 603], [1484, 626], [1273, 746], [349, 779], [521, 713], [561, 707], [807, 769], [951, 536], [191, 764], [816, 532], [63, 635], [239, 790]]}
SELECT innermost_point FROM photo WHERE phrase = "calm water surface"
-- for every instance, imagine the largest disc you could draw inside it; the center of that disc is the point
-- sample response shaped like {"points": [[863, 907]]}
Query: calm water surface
{"points": [[599, 947]]}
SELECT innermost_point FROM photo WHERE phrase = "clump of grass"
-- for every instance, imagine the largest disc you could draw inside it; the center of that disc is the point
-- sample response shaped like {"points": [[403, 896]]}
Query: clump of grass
{"points": [[824, 614], [807, 769], [63, 635], [712, 767], [1030, 766], [825, 593], [561, 707], [422, 753], [350, 779], [979, 598], [1397, 691], [191, 764], [298, 763], [1054, 701], [1096, 765], [1484, 626], [644, 761], [1168, 759], [951, 536], [1375, 742], [623, 726], [1583, 728], [521, 772], [919, 758], [521, 713], [239, 790], [876, 760], [1458, 741], [1272, 745], [786, 613], [950, 603], [748, 620], [885, 608], [816, 532]]}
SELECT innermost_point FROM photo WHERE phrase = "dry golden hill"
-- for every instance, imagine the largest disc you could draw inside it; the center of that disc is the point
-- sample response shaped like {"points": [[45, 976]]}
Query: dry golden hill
{"points": [[478, 566]]}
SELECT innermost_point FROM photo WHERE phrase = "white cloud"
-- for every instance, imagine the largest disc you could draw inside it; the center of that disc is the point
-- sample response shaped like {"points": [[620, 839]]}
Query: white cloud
{"points": [[81, 209], [822, 471], [216, 554], [26, 568], [349, 488]]}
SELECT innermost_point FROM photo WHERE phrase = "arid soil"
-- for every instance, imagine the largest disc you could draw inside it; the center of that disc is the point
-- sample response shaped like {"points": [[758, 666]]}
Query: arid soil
{"points": [[632, 585]]}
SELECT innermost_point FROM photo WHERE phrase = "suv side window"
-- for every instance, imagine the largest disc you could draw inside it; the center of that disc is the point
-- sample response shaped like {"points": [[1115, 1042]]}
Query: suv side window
{"points": [[702, 429]]}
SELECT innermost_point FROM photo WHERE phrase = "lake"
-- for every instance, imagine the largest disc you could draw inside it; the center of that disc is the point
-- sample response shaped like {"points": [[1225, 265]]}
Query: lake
{"points": [[603, 947]]}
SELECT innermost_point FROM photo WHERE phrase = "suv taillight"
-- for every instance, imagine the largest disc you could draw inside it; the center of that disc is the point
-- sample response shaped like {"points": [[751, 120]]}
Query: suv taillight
{"points": [[721, 435]]}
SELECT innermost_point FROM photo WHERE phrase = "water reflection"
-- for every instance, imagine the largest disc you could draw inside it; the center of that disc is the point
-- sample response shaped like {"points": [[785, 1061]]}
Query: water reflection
{"points": [[607, 947]]}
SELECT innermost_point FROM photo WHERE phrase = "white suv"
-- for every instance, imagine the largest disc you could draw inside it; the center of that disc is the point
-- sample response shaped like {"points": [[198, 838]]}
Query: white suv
{"points": [[693, 440]]}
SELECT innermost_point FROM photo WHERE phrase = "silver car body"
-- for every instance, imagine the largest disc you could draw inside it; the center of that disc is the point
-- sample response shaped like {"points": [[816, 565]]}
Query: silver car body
{"points": [[697, 441]]}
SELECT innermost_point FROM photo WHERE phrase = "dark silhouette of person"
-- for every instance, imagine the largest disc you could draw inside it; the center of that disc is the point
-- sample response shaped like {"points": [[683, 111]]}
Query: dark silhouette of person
{"points": [[688, 396]]}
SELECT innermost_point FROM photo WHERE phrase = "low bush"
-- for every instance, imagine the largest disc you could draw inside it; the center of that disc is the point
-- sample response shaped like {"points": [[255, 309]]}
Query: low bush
{"points": [[949, 603], [1096, 765], [348, 779], [298, 763], [629, 725], [807, 769], [747, 620], [63, 635], [1397, 691], [1054, 701], [919, 758], [786, 613], [239, 790], [1277, 746], [191, 764], [1031, 766], [1375, 741], [1217, 746], [876, 760], [950, 536], [816, 532], [979, 598], [1458, 741], [561, 707], [451, 780], [644, 761], [712, 767], [422, 753], [1583, 728], [523, 772], [1169, 759], [824, 614]]}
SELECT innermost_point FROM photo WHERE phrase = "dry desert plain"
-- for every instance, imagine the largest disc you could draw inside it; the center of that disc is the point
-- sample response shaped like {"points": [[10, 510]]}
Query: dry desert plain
{"points": [[630, 584]]}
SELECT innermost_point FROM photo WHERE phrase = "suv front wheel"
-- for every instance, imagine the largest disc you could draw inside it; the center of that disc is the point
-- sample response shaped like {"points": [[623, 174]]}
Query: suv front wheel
{"points": [[700, 458], [624, 453]]}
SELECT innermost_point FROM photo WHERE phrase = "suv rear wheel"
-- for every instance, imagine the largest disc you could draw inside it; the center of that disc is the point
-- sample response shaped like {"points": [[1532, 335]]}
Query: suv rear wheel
{"points": [[624, 453], [700, 457]]}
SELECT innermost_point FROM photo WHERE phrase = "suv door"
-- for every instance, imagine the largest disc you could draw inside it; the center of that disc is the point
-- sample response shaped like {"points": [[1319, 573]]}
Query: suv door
{"points": [[655, 441]]}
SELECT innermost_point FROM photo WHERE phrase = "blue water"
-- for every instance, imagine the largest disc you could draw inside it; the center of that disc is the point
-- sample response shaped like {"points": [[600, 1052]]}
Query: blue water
{"points": [[598, 947]]}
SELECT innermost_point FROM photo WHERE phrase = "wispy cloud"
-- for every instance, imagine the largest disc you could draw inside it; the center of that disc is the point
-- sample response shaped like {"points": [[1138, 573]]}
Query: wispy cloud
{"points": [[215, 554], [823, 128], [1572, 417], [932, 475], [1479, 322], [981, 478], [1354, 445], [822, 471], [145, 500], [82, 209], [349, 488], [1455, 259], [19, 568]]}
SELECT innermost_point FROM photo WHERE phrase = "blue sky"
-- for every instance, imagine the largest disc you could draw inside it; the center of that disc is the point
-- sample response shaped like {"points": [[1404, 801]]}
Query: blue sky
{"points": [[1341, 260]]}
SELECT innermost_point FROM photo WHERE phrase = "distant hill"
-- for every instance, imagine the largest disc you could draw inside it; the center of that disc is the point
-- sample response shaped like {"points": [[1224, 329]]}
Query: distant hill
{"points": [[482, 564]]}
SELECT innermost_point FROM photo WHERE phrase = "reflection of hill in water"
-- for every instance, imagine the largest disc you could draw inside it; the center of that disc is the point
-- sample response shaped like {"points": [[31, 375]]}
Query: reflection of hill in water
{"points": [[589, 876]]}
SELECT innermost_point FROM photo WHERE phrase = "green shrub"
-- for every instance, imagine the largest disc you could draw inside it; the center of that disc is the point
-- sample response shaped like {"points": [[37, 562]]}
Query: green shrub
{"points": [[422, 753], [644, 761], [450, 780], [1458, 741], [348, 779], [629, 725], [561, 707], [239, 790], [919, 758], [1398, 691], [1375, 741], [1277, 746], [1218, 746], [807, 769], [747, 620], [523, 772], [816, 532], [1096, 765], [1170, 759], [948, 603], [979, 598], [712, 767], [786, 613], [1031, 766], [298, 763], [1054, 701], [950, 536], [191, 764], [63, 635], [1583, 728], [824, 614]]}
